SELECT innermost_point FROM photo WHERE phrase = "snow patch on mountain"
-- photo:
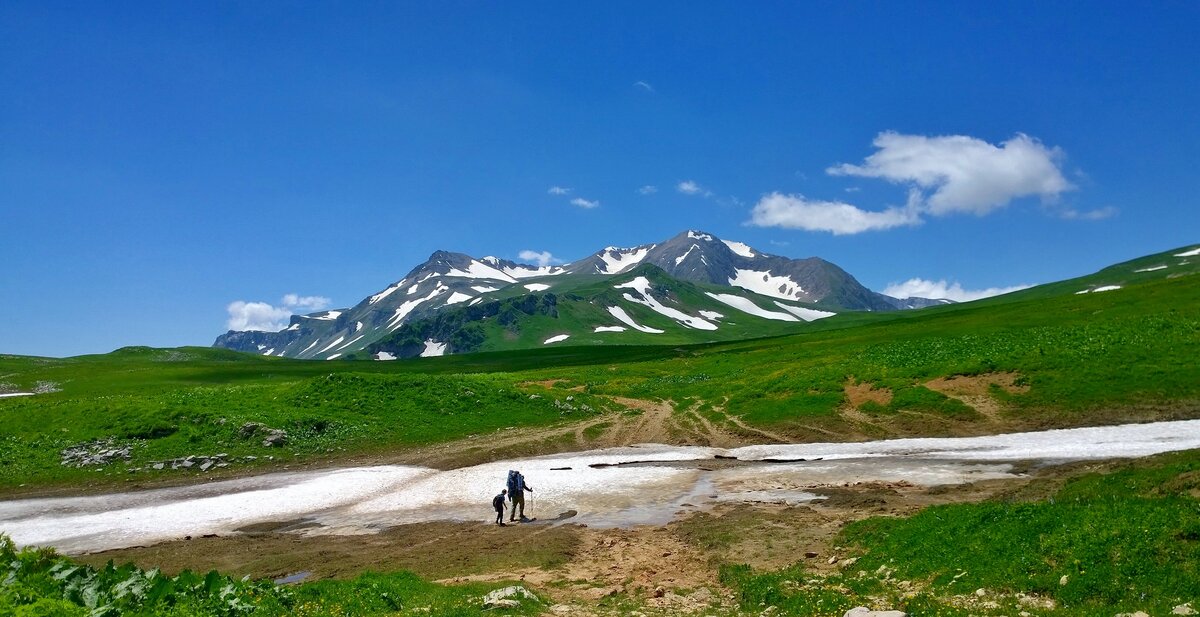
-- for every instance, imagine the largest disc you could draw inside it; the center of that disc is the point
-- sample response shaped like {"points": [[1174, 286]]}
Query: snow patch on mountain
{"points": [[556, 339], [384, 356], [480, 270], [333, 344], [617, 260], [433, 348], [358, 326], [328, 315], [1151, 269], [806, 314], [457, 297], [746, 306], [334, 356], [484, 289], [404, 309], [609, 329], [624, 318], [524, 272], [712, 315], [1099, 289], [739, 248], [697, 235], [642, 286], [679, 260], [385, 293], [536, 286], [767, 284], [1192, 253]]}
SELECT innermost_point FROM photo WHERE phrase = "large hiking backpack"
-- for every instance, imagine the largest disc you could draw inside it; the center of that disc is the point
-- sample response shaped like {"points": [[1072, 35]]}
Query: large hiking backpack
{"points": [[514, 482]]}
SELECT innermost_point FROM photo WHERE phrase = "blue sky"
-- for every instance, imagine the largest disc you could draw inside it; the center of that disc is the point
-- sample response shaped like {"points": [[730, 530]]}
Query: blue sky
{"points": [[160, 161]]}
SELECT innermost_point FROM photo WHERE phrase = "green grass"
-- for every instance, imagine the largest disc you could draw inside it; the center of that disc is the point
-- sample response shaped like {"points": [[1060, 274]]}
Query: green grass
{"points": [[1125, 541]]}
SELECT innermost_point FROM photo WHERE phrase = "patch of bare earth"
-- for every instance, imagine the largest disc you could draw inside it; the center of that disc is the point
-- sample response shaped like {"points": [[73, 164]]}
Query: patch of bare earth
{"points": [[975, 390]]}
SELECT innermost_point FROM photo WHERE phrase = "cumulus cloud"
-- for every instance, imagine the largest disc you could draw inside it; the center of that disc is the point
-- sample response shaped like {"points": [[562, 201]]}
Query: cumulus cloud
{"points": [[269, 318], [940, 289], [957, 173], [544, 258], [689, 187], [839, 218], [649, 189], [585, 203], [558, 190]]}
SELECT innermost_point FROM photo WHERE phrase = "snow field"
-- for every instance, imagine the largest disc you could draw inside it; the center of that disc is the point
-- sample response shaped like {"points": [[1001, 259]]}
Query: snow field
{"points": [[746, 306]]}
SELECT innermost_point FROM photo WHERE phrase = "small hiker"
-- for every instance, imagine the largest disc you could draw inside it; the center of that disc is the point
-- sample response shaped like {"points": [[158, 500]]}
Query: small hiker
{"points": [[516, 492], [499, 505]]}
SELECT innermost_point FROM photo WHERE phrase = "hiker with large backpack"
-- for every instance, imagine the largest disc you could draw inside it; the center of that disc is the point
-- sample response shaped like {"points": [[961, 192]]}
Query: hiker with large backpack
{"points": [[498, 504], [516, 493]]}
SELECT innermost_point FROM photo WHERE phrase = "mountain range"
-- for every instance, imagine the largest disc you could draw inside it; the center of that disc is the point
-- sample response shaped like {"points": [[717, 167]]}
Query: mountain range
{"points": [[693, 287]]}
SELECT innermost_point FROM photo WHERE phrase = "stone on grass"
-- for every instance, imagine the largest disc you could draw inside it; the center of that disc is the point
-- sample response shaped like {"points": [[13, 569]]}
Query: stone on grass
{"points": [[1183, 609], [862, 611], [508, 597]]}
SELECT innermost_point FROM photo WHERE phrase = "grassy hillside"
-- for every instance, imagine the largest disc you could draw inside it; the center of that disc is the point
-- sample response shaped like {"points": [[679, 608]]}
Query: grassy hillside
{"points": [[1070, 358]]}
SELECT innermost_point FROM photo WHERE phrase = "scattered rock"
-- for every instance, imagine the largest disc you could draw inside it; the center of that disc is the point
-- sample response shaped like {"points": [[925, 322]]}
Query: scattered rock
{"points": [[508, 597], [1183, 609], [250, 428], [833, 560], [1137, 614], [862, 611], [1063, 581], [94, 453], [810, 555], [275, 437], [659, 592], [979, 593]]}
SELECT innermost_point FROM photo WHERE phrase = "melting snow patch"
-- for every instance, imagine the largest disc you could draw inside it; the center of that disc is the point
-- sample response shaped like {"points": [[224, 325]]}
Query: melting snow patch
{"points": [[642, 286], [483, 290], [767, 284], [609, 329], [1099, 289], [383, 355], [713, 315], [524, 272], [536, 286], [619, 260], [333, 356], [412, 290], [358, 326], [433, 348], [295, 326], [479, 270], [331, 345], [806, 314], [269, 351], [329, 315], [457, 297], [679, 260], [695, 235], [408, 307], [624, 318], [383, 294], [556, 338], [352, 341], [6, 395], [740, 249], [1152, 269], [310, 346], [1192, 253], [746, 306]]}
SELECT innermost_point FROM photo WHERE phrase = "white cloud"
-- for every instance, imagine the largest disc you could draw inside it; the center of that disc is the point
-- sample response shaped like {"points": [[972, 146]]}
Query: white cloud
{"points": [[649, 189], [798, 212], [957, 173], [584, 203], [689, 187], [558, 190], [543, 258], [936, 290], [266, 317], [307, 303], [645, 86]]}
